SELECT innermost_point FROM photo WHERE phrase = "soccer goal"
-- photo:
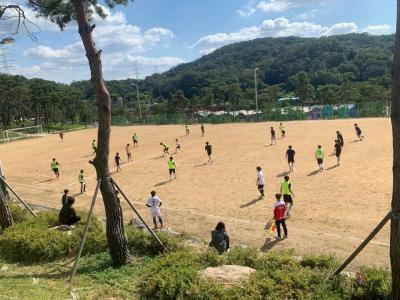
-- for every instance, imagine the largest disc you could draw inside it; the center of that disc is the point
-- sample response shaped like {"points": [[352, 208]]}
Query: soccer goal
{"points": [[19, 133]]}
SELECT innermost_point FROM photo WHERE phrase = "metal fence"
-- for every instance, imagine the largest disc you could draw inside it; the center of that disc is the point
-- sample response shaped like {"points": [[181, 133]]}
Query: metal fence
{"points": [[271, 113]]}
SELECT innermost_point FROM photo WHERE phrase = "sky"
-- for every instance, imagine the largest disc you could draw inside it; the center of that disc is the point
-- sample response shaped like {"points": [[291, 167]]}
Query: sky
{"points": [[152, 36]]}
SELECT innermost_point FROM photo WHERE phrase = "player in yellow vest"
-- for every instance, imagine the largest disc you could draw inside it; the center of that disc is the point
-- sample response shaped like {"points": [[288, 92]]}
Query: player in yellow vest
{"points": [[54, 167], [165, 148], [94, 146], [282, 129], [82, 182], [171, 168], [286, 191], [319, 155]]}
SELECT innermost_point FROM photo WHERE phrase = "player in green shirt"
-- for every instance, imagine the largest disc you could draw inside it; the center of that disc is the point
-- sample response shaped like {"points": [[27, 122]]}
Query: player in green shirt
{"points": [[165, 148], [171, 168], [135, 140], [54, 167], [82, 182], [319, 155], [94, 146]]}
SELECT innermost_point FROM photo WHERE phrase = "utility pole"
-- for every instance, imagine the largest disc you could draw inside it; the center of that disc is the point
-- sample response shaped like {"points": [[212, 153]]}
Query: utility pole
{"points": [[256, 92], [138, 99]]}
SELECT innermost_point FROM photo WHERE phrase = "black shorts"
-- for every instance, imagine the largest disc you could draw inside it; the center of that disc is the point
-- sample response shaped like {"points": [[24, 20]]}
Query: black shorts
{"points": [[166, 149], [283, 131], [338, 154], [260, 187], [55, 170], [320, 160], [209, 153], [288, 199], [290, 160], [171, 171]]}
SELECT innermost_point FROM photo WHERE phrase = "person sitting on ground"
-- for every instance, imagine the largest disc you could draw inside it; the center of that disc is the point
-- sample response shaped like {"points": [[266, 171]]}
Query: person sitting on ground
{"points": [[219, 238], [64, 197], [67, 214]]}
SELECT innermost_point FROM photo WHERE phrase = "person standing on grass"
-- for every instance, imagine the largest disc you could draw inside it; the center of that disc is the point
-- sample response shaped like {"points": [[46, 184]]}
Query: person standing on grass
{"points": [[117, 160], [178, 146], [55, 167], [128, 152], [94, 146], [283, 130], [67, 215], [339, 137], [154, 202], [203, 130], [171, 168], [82, 182], [290, 157], [319, 156], [219, 238], [135, 140], [208, 149], [165, 148], [187, 130], [338, 151], [279, 216], [286, 191], [260, 181], [358, 132], [64, 197]]}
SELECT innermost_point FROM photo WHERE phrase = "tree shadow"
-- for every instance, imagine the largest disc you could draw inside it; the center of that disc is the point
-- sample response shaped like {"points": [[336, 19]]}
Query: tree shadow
{"points": [[270, 243], [332, 167], [162, 183], [43, 181], [252, 202], [201, 165], [313, 173], [158, 157], [269, 145], [283, 174], [355, 141], [90, 155]]}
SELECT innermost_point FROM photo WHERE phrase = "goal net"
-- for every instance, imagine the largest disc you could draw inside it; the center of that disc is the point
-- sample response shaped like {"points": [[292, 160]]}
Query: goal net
{"points": [[19, 133]]}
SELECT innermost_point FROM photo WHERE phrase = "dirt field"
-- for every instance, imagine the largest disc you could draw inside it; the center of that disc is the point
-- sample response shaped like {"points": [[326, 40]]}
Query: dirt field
{"points": [[333, 210]]}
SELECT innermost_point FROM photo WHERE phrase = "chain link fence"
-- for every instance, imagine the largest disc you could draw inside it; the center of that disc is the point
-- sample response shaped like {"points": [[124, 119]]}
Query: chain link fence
{"points": [[271, 113]]}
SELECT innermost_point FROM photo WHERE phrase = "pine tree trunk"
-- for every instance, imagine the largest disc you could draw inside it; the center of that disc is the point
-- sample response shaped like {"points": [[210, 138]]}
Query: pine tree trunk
{"points": [[115, 228], [6, 219], [395, 223]]}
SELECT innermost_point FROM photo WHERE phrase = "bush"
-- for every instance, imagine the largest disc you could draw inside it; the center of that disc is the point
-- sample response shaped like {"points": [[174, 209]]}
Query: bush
{"points": [[242, 256], [320, 261], [143, 243], [373, 283], [31, 241], [19, 214]]}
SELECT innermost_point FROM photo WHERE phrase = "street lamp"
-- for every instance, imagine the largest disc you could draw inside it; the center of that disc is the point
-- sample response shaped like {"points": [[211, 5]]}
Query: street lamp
{"points": [[137, 92]]}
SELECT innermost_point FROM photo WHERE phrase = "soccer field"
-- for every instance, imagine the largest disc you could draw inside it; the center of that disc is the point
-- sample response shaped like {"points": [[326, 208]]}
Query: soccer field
{"points": [[333, 210]]}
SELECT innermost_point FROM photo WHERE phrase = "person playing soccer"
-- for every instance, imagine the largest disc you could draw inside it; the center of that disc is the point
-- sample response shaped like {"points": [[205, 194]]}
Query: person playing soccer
{"points": [[338, 151], [135, 140], [117, 160], [203, 130], [319, 156], [283, 130], [340, 139], [260, 181], [178, 146], [165, 148], [208, 149], [187, 130], [171, 168], [358, 132], [61, 136], [154, 202], [82, 182], [290, 157], [286, 191], [279, 216], [94, 146], [273, 136], [128, 152], [54, 167]]}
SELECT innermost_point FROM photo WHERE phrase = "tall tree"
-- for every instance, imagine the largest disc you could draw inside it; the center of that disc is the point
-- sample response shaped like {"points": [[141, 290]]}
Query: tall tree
{"points": [[62, 12], [395, 117]]}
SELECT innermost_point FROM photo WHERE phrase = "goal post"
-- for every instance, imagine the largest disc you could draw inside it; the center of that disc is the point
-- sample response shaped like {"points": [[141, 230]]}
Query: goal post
{"points": [[19, 133]]}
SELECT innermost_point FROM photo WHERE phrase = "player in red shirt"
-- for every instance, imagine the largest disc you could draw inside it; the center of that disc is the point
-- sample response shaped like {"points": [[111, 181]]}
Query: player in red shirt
{"points": [[279, 215]]}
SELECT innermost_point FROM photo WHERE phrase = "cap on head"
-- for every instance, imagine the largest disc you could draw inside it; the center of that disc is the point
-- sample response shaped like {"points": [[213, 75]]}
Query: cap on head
{"points": [[153, 193]]}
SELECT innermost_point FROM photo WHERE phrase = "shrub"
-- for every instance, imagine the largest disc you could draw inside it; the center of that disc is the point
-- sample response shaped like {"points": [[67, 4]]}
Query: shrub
{"points": [[31, 241], [20, 214], [143, 243], [375, 283], [319, 261], [210, 258], [275, 260], [242, 256]]}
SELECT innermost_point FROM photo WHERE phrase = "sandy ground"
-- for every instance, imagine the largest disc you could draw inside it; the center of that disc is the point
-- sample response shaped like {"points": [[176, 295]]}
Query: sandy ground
{"points": [[334, 210]]}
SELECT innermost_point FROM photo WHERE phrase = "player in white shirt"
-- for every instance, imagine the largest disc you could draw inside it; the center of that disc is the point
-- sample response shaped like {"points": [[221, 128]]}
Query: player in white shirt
{"points": [[260, 181], [154, 203], [178, 146]]}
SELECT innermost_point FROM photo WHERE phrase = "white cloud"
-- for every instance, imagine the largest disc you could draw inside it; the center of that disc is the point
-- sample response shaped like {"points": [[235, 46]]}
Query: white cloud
{"points": [[308, 14], [159, 61], [278, 27], [248, 9], [207, 51], [378, 29], [274, 5]]}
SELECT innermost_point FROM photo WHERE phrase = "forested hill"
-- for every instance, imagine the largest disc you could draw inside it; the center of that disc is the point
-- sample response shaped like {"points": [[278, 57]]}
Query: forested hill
{"points": [[343, 68]]}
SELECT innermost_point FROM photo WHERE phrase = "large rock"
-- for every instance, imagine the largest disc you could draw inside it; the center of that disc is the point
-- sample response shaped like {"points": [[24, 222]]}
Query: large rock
{"points": [[228, 275]]}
